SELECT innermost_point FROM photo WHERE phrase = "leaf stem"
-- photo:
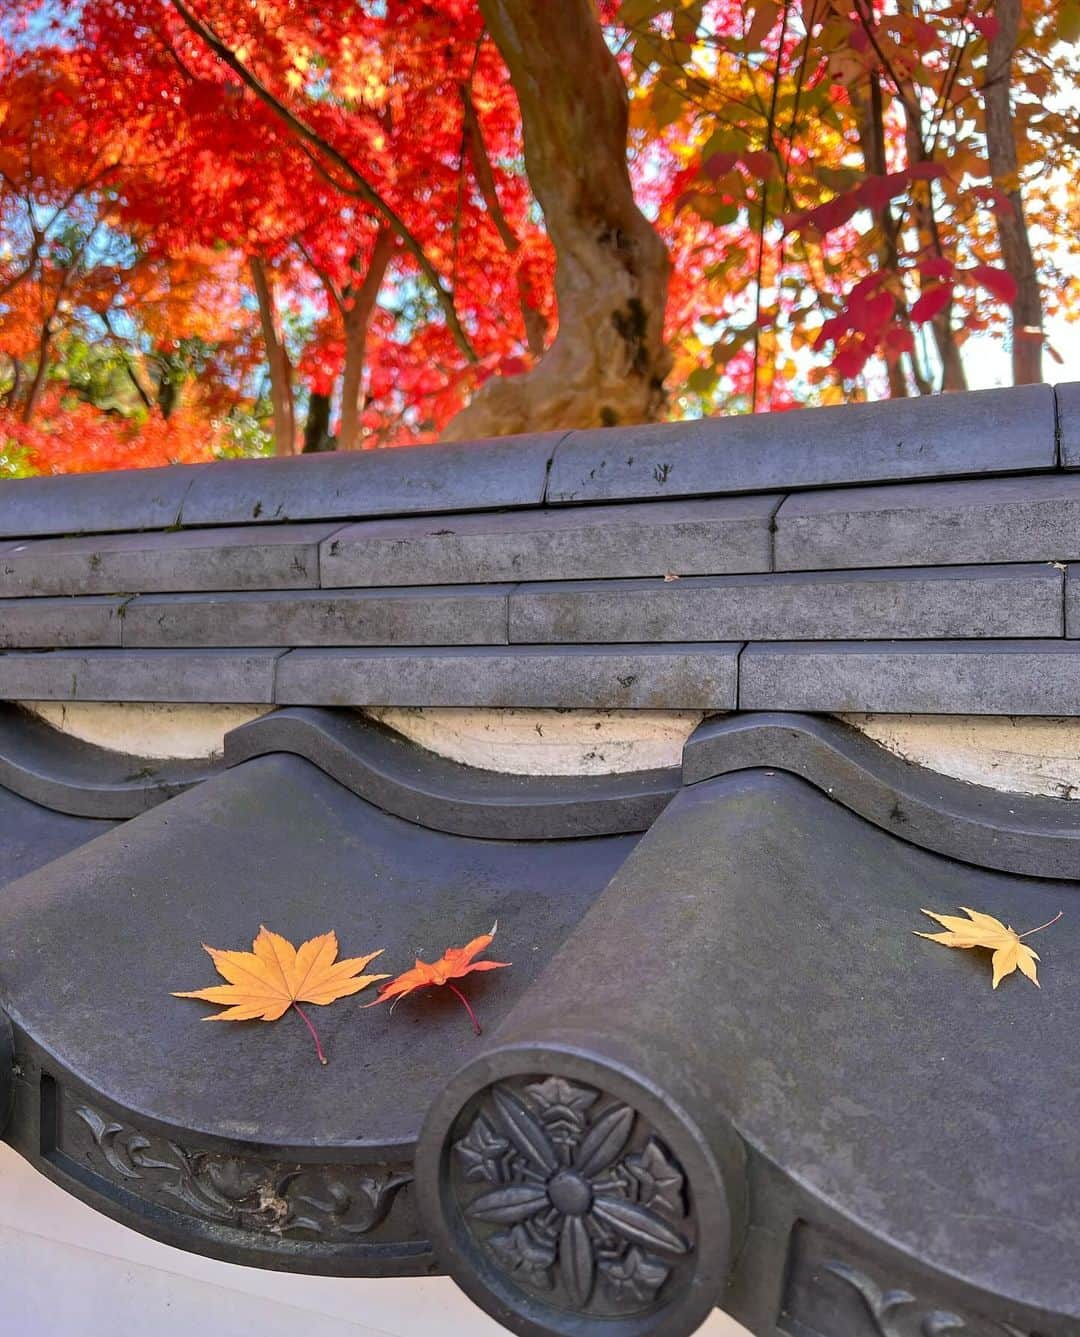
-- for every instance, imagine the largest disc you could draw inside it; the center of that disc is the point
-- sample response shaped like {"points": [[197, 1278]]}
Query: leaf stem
{"points": [[314, 1034], [1040, 927], [472, 1015]]}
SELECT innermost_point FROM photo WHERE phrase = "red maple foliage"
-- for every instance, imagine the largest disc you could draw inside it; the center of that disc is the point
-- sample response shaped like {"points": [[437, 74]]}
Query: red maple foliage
{"points": [[296, 225]]}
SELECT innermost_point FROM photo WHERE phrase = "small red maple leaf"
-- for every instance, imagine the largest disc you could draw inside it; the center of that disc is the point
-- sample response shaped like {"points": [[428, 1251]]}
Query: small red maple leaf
{"points": [[453, 964]]}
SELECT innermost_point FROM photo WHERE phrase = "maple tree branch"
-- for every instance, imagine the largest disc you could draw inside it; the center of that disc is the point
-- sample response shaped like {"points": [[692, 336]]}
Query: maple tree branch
{"points": [[705, 92], [321, 168], [323, 277], [800, 82], [277, 360], [174, 56], [485, 175], [362, 188], [129, 368], [40, 231], [10, 284], [770, 144], [49, 327], [864, 12], [870, 123], [956, 58], [356, 321], [473, 138]]}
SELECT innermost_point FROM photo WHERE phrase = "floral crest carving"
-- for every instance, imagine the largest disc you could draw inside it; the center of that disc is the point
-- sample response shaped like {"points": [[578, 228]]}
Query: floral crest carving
{"points": [[574, 1196]]}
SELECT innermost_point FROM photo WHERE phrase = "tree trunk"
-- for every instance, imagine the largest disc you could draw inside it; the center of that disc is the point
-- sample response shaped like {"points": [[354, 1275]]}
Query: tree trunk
{"points": [[869, 117], [608, 362], [953, 376], [281, 394], [170, 393], [317, 436], [1012, 229], [41, 371], [357, 320]]}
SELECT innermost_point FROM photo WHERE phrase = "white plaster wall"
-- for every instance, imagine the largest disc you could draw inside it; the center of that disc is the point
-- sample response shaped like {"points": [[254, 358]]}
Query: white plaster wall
{"points": [[147, 730], [1012, 753], [68, 1272], [549, 742], [521, 742]]}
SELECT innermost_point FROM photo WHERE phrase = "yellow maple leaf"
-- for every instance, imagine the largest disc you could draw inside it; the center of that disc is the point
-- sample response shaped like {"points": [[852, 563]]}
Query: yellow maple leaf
{"points": [[274, 976], [979, 930]]}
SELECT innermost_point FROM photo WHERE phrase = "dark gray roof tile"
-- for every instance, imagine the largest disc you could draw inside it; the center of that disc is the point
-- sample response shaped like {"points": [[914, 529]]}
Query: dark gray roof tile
{"points": [[1068, 410], [48, 623], [983, 432], [274, 557], [440, 615], [589, 542], [916, 604], [1072, 601], [689, 677], [924, 677], [240, 676], [1028, 519], [93, 503], [481, 475]]}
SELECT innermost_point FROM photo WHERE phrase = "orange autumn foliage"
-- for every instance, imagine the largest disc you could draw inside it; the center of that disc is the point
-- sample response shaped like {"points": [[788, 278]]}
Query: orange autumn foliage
{"points": [[842, 217], [78, 438], [275, 976], [454, 963]]}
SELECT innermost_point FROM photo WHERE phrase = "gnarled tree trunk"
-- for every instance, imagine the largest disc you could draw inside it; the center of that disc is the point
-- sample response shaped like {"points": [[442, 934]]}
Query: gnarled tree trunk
{"points": [[608, 362], [1012, 229]]}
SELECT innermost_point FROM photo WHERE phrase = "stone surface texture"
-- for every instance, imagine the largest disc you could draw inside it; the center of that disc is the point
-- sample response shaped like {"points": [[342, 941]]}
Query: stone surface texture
{"points": [[588, 542], [650, 677], [984, 432], [872, 605], [811, 560], [918, 677], [650, 1124], [284, 557], [1026, 519]]}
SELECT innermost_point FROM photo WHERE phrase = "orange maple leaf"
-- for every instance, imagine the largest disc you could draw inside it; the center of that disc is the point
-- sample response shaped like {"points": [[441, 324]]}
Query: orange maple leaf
{"points": [[453, 964], [274, 976], [979, 930]]}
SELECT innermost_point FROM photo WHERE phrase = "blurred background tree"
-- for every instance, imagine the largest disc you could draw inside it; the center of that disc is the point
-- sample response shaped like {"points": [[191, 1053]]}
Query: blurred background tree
{"points": [[229, 228]]}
